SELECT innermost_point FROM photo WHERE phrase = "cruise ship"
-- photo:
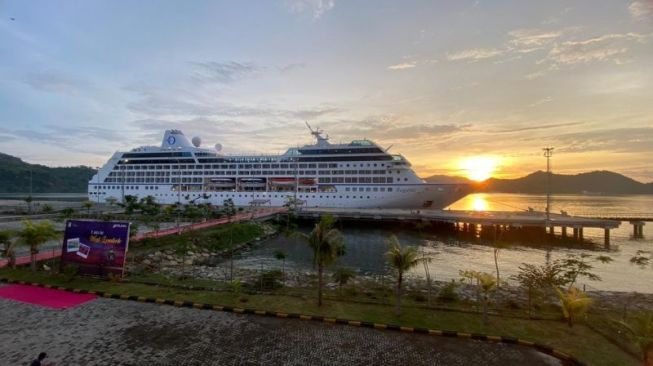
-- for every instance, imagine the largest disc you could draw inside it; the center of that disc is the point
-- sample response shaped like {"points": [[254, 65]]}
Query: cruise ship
{"points": [[359, 174]]}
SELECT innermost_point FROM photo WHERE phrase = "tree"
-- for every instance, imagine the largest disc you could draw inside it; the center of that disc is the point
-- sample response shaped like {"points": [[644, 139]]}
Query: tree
{"points": [[574, 303], [487, 283], [575, 266], [402, 259], [47, 208], [529, 279], [229, 210], [342, 275], [87, 205], [34, 235], [281, 255], [29, 199], [68, 212], [111, 201], [8, 248], [641, 330], [149, 206], [327, 245], [130, 204], [497, 245]]}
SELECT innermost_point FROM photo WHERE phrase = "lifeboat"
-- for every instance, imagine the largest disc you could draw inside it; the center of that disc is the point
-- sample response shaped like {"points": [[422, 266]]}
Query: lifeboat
{"points": [[252, 182], [283, 181], [222, 182], [306, 181]]}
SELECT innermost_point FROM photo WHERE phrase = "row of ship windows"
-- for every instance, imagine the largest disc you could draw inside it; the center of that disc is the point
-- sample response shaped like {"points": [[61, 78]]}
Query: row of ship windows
{"points": [[126, 187], [258, 195], [347, 189], [199, 180], [245, 166], [119, 173]]}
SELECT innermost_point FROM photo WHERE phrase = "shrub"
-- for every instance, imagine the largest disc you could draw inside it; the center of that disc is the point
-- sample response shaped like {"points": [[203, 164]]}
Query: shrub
{"points": [[270, 280], [448, 292], [70, 271]]}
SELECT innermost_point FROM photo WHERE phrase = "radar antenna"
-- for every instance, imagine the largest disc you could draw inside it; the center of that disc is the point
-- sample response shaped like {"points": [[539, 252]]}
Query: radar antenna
{"points": [[317, 132]]}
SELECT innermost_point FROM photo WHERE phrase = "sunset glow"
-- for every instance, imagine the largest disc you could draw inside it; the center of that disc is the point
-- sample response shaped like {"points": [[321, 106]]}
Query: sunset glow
{"points": [[479, 168]]}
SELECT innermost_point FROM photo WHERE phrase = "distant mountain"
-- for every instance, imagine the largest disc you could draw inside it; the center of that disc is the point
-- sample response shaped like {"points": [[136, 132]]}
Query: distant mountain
{"points": [[597, 182], [15, 177]]}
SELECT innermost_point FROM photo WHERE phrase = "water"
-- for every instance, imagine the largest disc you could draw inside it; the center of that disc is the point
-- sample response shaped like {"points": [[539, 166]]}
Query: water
{"points": [[6, 198], [366, 244]]}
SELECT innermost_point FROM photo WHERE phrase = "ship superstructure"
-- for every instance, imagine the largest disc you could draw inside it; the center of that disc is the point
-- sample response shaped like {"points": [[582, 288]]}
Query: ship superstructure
{"points": [[359, 174]]}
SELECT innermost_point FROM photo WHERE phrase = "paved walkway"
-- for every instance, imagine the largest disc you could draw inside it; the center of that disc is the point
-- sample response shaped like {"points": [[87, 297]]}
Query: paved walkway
{"points": [[258, 213], [116, 332]]}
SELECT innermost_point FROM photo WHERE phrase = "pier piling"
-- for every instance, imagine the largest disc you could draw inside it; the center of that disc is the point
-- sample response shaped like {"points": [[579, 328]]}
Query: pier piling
{"points": [[638, 229], [606, 238]]}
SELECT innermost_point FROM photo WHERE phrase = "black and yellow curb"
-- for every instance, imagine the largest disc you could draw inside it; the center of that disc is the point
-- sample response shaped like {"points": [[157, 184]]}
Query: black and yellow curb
{"points": [[567, 358]]}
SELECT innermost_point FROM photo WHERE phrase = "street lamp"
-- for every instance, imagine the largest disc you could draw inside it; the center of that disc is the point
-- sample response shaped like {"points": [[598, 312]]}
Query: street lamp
{"points": [[548, 152]]}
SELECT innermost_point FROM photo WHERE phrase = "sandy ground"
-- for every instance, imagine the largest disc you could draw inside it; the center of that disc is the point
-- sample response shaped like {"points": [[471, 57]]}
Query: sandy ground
{"points": [[116, 332]]}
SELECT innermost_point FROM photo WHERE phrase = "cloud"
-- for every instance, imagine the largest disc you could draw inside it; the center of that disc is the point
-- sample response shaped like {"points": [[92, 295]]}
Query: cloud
{"points": [[403, 66], [541, 101], [55, 82], [641, 9], [292, 67], [317, 7], [529, 40], [474, 54], [635, 139], [224, 72], [606, 47]]}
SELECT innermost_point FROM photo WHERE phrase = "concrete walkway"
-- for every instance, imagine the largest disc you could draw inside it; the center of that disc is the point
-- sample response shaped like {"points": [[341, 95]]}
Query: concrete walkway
{"points": [[116, 332]]}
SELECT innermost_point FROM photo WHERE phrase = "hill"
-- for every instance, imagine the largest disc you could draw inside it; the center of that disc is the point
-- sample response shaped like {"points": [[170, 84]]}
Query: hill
{"points": [[604, 182], [15, 177]]}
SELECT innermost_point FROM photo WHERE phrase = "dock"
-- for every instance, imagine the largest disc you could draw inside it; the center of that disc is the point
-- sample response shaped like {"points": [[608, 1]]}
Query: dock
{"points": [[478, 221]]}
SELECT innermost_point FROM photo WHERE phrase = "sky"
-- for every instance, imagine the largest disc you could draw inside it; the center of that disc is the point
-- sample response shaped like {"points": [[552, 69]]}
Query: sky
{"points": [[440, 82]]}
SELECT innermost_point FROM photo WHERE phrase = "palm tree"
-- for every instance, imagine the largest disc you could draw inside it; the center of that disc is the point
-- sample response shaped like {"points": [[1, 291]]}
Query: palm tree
{"points": [[342, 275], [402, 259], [87, 205], [641, 330], [487, 283], [281, 255], [327, 244], [34, 235], [29, 199], [574, 303], [8, 248]]}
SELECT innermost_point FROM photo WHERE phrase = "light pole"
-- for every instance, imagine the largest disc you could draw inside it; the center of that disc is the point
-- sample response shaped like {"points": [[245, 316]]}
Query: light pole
{"points": [[548, 152], [178, 195], [123, 179]]}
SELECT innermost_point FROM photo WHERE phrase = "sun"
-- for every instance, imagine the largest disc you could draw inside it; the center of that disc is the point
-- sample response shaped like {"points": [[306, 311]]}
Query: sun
{"points": [[479, 168]]}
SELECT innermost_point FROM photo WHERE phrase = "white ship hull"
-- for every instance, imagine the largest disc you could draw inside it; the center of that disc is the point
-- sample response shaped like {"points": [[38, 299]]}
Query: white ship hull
{"points": [[413, 196]]}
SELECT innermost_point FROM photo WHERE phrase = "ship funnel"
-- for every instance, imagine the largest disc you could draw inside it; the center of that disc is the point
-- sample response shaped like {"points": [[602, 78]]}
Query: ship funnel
{"points": [[174, 139]]}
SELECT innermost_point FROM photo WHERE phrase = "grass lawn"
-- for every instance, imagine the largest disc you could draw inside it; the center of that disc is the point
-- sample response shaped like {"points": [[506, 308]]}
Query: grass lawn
{"points": [[579, 341], [214, 238]]}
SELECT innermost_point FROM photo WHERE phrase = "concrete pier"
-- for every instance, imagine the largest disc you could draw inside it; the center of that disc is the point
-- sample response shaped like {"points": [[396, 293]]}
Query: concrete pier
{"points": [[492, 224]]}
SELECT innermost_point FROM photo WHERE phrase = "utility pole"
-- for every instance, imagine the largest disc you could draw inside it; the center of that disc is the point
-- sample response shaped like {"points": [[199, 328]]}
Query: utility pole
{"points": [[548, 152]]}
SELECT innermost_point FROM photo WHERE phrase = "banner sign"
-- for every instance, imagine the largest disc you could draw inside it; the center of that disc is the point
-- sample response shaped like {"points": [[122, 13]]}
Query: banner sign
{"points": [[97, 248]]}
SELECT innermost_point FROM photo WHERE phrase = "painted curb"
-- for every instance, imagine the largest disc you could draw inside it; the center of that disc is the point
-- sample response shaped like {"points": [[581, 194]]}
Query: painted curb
{"points": [[569, 359]]}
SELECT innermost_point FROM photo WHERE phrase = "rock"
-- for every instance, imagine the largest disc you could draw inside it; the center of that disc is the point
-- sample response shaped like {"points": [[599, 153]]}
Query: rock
{"points": [[188, 262], [147, 262], [190, 253]]}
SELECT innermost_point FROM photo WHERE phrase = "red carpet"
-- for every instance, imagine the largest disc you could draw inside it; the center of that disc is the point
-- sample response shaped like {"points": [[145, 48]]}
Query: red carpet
{"points": [[45, 297]]}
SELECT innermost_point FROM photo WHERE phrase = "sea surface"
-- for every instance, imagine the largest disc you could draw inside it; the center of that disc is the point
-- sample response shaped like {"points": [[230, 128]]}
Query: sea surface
{"points": [[366, 244]]}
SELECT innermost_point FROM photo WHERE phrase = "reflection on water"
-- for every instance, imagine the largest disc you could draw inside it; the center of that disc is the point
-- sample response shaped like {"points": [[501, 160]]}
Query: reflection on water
{"points": [[479, 202], [366, 244]]}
